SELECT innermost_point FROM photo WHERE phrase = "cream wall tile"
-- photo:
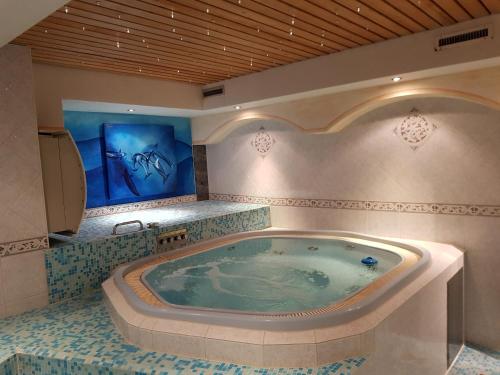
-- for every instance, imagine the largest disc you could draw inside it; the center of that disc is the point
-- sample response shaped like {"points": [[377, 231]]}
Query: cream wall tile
{"points": [[367, 161], [336, 350], [222, 333], [21, 188], [24, 281], [482, 243], [145, 340], [181, 327], [383, 223], [417, 333], [289, 337], [298, 355], [179, 344], [318, 218], [16, 307], [230, 351]]}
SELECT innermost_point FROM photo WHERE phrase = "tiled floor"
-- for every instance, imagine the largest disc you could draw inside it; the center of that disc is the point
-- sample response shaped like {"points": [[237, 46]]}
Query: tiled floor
{"points": [[475, 361], [80, 335]]}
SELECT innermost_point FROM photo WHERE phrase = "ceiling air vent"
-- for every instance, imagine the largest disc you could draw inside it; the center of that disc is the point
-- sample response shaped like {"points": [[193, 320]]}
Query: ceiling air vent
{"points": [[211, 91], [453, 40]]}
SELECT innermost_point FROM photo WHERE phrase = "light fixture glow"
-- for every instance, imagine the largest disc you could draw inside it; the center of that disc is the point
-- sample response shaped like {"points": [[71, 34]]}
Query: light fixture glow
{"points": [[396, 79], [237, 107]]}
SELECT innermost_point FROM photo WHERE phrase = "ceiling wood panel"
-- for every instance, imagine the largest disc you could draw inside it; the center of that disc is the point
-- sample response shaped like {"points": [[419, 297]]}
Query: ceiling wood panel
{"points": [[454, 9], [474, 7], [493, 6], [204, 41]]}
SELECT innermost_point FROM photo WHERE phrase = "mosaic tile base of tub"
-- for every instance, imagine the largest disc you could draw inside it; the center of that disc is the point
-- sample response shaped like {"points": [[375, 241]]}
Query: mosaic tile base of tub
{"points": [[84, 262], [476, 361], [78, 337]]}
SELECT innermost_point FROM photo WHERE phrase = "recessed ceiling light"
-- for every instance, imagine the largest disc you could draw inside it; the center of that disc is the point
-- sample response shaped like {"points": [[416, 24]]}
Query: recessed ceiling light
{"points": [[396, 79], [131, 110], [237, 107]]}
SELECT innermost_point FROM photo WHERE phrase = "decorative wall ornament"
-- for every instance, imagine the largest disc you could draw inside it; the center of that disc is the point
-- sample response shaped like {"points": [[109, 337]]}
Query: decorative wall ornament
{"points": [[144, 205], [415, 129], [406, 207], [17, 247], [262, 142]]}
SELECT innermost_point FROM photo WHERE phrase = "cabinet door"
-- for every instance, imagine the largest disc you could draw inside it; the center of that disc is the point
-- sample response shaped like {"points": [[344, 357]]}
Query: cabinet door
{"points": [[63, 182], [74, 184], [52, 183]]}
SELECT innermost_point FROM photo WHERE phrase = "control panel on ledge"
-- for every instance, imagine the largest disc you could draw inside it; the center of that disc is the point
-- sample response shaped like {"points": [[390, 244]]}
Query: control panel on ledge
{"points": [[171, 240]]}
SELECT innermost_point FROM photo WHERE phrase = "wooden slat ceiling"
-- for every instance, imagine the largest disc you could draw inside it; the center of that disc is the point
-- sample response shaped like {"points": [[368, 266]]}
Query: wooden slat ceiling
{"points": [[204, 41]]}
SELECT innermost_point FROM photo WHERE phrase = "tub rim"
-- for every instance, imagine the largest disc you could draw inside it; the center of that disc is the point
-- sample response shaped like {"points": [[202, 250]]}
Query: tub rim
{"points": [[275, 322]]}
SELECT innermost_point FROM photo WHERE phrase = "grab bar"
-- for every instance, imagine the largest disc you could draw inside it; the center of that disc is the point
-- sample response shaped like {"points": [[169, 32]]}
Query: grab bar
{"points": [[141, 226]]}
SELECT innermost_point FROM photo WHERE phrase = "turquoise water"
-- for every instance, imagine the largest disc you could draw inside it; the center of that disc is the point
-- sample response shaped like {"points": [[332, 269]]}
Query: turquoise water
{"points": [[269, 274]]}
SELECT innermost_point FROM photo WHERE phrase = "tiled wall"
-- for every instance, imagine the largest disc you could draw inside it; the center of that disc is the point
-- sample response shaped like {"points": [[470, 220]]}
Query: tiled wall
{"points": [[23, 284], [200, 171], [80, 267], [424, 169], [22, 216], [21, 189]]}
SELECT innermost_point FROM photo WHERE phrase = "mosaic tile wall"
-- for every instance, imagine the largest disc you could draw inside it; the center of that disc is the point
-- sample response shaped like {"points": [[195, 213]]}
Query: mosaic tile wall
{"points": [[78, 267], [200, 171], [77, 337], [8, 366]]}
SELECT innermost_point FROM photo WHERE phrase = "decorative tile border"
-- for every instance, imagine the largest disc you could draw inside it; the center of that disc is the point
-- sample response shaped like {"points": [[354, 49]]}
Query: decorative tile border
{"points": [[407, 207], [17, 247], [119, 208]]}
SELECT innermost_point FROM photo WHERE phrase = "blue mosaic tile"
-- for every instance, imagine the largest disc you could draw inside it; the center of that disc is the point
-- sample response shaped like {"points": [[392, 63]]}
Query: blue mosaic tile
{"points": [[77, 337], [100, 227], [82, 265], [8, 365], [476, 361]]}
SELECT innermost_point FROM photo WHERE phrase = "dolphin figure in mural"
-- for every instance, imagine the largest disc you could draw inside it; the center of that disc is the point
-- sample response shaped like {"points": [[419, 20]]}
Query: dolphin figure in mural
{"points": [[153, 159], [161, 171], [129, 182], [115, 154], [141, 160]]}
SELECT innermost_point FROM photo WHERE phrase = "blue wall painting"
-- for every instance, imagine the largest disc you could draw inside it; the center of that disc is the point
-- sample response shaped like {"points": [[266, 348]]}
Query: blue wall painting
{"points": [[131, 158]]}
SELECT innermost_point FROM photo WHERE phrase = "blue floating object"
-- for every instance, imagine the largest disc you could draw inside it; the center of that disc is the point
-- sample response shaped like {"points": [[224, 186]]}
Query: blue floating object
{"points": [[369, 261]]}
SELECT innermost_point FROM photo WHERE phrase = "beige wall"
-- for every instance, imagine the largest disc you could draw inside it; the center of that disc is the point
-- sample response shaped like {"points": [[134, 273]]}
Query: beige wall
{"points": [[23, 225], [18, 16], [412, 57], [332, 112], [21, 189], [367, 161], [53, 84]]}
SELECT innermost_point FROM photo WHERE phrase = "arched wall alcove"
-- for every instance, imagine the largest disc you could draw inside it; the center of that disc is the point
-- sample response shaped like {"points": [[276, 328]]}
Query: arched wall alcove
{"points": [[346, 117]]}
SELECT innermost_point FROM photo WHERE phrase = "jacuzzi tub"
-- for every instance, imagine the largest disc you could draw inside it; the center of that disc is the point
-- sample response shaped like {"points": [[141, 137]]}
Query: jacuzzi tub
{"points": [[174, 302]]}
